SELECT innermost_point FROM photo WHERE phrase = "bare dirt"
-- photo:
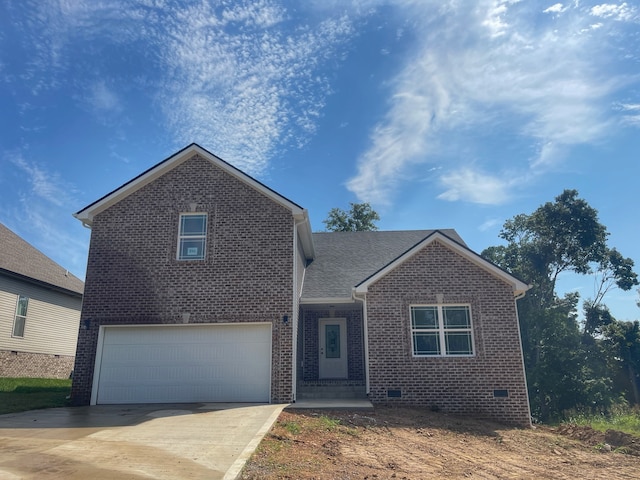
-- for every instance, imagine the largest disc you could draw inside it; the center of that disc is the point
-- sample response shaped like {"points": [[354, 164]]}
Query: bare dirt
{"points": [[409, 444]]}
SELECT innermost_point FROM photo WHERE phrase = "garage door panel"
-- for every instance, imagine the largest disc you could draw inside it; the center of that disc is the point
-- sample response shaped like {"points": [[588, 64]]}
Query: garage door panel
{"points": [[209, 363]]}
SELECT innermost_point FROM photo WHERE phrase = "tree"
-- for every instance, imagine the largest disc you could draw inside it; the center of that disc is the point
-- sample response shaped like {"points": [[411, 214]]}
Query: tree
{"points": [[565, 367], [361, 217]]}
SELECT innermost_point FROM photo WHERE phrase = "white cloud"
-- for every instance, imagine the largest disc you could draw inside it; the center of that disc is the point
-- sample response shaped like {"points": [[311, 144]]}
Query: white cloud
{"points": [[489, 224], [631, 113], [103, 98], [474, 186], [245, 78], [43, 184], [245, 90], [555, 8], [621, 11], [484, 70]]}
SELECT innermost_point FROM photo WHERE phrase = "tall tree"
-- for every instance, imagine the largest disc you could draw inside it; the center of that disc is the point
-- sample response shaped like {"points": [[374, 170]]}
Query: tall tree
{"points": [[360, 217], [561, 236]]}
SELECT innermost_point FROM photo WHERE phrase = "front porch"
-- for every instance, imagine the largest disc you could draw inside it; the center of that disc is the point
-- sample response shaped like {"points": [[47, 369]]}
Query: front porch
{"points": [[331, 360]]}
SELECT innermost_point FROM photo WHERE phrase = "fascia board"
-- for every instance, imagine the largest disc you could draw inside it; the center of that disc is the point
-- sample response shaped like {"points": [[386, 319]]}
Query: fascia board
{"points": [[86, 215], [519, 287]]}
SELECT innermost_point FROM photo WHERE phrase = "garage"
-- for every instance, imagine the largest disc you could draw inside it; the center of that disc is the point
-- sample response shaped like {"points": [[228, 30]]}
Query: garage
{"points": [[183, 364]]}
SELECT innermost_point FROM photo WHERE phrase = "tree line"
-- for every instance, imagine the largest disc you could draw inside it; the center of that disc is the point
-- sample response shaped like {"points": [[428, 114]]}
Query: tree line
{"points": [[589, 363]]}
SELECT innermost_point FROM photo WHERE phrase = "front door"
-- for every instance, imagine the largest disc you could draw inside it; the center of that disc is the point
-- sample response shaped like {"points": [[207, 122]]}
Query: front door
{"points": [[333, 348]]}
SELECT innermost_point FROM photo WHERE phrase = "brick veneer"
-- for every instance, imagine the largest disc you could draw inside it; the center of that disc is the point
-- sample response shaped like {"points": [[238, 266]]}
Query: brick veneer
{"points": [[133, 276], [35, 365], [459, 385]]}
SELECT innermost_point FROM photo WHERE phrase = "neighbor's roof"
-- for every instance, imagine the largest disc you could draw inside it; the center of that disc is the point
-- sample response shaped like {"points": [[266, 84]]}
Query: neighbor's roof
{"points": [[345, 259], [19, 259]]}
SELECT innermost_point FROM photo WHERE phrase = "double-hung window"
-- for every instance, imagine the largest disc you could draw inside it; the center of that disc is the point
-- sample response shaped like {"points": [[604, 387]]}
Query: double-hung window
{"points": [[192, 236], [21, 316], [441, 330]]}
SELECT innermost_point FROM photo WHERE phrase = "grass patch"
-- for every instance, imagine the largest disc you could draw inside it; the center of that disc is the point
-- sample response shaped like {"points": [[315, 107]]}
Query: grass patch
{"points": [[20, 394], [625, 420]]}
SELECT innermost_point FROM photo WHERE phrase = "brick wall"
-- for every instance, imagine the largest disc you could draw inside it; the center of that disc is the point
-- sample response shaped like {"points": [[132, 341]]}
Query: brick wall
{"points": [[133, 276], [35, 365], [463, 385]]}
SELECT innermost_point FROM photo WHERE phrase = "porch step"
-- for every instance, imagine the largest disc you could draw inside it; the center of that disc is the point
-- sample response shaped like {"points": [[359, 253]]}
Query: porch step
{"points": [[314, 392]]}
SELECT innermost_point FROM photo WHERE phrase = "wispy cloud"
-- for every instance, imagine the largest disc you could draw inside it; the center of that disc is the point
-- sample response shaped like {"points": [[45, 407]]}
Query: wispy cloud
{"points": [[630, 113], [620, 11], [245, 79], [44, 184], [102, 98], [474, 186], [492, 68], [41, 211], [240, 84]]}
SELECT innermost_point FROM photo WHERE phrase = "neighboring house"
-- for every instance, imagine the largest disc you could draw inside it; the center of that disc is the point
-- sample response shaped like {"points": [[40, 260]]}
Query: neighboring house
{"points": [[40, 305], [204, 285]]}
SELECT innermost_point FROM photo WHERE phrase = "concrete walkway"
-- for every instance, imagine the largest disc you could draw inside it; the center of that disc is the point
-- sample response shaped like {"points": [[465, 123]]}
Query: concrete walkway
{"points": [[331, 404], [202, 441]]}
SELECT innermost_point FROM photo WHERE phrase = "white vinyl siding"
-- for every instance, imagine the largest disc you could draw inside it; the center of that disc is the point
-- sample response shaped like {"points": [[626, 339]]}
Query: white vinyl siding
{"points": [[184, 364], [52, 319]]}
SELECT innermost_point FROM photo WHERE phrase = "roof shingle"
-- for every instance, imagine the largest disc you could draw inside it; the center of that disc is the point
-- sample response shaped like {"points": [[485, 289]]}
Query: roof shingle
{"points": [[20, 258], [344, 259]]}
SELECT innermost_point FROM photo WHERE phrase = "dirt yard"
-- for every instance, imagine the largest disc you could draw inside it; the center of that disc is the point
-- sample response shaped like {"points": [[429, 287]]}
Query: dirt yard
{"points": [[409, 444]]}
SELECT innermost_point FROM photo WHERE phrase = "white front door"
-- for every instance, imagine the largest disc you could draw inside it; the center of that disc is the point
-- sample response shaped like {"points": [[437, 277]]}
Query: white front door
{"points": [[332, 337]]}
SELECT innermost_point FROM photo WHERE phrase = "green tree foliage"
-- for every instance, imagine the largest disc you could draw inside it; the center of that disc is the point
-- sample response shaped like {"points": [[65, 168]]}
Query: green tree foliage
{"points": [[567, 366], [361, 217]]}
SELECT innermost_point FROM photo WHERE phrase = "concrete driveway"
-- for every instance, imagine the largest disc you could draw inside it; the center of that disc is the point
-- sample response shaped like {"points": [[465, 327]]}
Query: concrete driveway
{"points": [[201, 441]]}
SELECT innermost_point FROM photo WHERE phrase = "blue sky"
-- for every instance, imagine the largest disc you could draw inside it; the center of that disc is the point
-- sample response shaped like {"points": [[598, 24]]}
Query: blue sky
{"points": [[441, 114]]}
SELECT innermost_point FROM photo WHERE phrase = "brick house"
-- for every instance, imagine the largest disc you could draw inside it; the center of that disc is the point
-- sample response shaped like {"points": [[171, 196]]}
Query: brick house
{"points": [[40, 304], [204, 285]]}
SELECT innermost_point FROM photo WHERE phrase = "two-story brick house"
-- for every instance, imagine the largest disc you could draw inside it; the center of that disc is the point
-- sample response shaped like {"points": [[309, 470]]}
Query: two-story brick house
{"points": [[204, 285]]}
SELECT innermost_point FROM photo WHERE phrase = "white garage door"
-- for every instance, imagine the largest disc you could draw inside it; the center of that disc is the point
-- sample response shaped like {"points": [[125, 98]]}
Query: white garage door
{"points": [[184, 364]]}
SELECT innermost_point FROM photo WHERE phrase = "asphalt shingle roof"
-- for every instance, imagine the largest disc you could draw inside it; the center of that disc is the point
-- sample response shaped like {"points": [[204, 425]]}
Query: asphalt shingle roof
{"points": [[19, 257], [344, 259]]}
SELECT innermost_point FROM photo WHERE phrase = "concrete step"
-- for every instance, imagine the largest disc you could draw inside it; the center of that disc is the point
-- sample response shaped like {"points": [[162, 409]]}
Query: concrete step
{"points": [[314, 392]]}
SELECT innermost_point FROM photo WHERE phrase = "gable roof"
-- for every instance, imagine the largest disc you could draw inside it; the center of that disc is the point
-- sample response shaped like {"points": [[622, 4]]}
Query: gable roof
{"points": [[519, 287], [19, 259], [300, 214], [345, 259]]}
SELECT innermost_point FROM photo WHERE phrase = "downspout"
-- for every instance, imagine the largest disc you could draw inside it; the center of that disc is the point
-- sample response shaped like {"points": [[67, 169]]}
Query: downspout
{"points": [[365, 333], [294, 316]]}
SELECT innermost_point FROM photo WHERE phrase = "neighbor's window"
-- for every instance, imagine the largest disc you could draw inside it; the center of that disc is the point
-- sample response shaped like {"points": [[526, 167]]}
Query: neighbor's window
{"points": [[441, 330], [192, 237], [21, 316]]}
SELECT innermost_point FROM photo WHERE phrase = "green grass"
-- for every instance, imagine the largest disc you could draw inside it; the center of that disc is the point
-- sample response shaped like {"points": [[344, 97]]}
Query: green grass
{"points": [[20, 394], [625, 420]]}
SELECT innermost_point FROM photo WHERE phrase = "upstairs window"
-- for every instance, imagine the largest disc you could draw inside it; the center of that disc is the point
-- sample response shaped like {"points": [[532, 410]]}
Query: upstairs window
{"points": [[192, 236], [441, 330], [21, 316]]}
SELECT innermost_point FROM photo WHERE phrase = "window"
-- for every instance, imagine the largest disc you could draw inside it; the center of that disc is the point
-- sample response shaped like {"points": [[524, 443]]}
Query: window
{"points": [[192, 237], [21, 316], [441, 330]]}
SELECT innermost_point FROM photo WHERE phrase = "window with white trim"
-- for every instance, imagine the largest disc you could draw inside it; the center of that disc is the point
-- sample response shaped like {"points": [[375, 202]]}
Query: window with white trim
{"points": [[441, 330], [21, 316], [192, 236]]}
